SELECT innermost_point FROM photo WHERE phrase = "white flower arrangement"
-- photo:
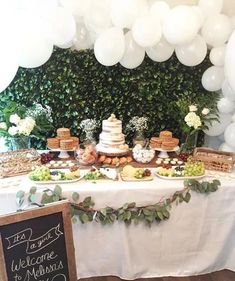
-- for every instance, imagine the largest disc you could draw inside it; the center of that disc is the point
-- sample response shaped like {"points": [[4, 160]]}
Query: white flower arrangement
{"points": [[193, 119], [21, 126], [89, 125], [137, 124]]}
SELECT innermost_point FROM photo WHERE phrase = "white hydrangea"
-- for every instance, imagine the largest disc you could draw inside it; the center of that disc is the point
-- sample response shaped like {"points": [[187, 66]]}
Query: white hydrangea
{"points": [[193, 120], [205, 111], [14, 119], [192, 108], [26, 126], [13, 130], [3, 126]]}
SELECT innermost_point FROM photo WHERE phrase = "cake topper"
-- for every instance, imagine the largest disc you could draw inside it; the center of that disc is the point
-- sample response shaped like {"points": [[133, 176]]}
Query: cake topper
{"points": [[112, 118]]}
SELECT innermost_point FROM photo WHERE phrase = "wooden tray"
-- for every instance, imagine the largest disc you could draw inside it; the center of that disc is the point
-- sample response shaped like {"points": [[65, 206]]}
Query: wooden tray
{"points": [[150, 178]]}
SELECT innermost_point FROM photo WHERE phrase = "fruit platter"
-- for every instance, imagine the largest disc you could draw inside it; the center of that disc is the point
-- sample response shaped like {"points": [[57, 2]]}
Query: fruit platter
{"points": [[43, 175], [191, 170], [129, 173]]}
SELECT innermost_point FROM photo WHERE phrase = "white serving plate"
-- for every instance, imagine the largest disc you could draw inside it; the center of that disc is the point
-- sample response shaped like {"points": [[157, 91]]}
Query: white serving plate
{"points": [[179, 178], [58, 181]]}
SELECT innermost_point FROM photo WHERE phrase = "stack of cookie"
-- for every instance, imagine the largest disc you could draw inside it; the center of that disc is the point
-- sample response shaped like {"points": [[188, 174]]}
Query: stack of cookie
{"points": [[63, 140], [164, 141]]}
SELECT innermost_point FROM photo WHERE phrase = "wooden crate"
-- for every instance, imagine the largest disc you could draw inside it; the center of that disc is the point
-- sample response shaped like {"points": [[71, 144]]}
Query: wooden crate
{"points": [[18, 162], [214, 159]]}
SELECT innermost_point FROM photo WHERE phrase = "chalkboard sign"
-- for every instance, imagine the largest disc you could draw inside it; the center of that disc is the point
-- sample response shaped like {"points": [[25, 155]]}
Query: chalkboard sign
{"points": [[37, 245]]}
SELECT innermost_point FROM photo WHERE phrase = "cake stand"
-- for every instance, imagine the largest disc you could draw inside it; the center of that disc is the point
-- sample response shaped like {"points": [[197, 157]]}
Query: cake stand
{"points": [[63, 152], [163, 152], [112, 152]]}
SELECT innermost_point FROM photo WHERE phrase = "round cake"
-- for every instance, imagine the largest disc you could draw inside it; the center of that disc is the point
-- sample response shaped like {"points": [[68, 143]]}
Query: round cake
{"points": [[111, 139]]}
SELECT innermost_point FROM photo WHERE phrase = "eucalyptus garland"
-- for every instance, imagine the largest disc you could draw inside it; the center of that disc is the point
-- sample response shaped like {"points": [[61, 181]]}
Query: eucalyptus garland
{"points": [[129, 213]]}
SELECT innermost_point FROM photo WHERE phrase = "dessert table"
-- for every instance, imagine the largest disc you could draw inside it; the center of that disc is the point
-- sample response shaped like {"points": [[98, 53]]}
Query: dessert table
{"points": [[198, 237]]}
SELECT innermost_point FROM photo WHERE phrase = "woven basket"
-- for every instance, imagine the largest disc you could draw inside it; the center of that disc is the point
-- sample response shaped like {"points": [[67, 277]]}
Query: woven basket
{"points": [[214, 159], [18, 162]]}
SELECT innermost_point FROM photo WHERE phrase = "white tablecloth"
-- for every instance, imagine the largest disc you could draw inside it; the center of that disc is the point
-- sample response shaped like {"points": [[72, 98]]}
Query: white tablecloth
{"points": [[198, 238]]}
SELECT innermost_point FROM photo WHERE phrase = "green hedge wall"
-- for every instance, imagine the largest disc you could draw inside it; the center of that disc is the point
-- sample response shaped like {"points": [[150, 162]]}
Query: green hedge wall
{"points": [[77, 87]]}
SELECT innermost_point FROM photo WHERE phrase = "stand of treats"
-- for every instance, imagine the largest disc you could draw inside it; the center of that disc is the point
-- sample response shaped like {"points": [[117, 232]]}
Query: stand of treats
{"points": [[63, 140]]}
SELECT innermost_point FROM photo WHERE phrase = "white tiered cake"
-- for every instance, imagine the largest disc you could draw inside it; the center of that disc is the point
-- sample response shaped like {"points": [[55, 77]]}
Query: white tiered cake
{"points": [[112, 140]]}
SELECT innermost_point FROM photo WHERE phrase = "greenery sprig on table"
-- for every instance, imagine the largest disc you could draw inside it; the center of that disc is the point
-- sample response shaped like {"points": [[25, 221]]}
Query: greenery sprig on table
{"points": [[129, 212]]}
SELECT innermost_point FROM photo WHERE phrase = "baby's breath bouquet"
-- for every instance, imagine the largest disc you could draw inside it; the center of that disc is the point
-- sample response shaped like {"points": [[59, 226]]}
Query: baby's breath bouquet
{"points": [[89, 126], [138, 125]]}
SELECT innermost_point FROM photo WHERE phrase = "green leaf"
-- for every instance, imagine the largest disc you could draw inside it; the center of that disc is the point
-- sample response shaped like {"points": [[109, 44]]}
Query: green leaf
{"points": [[58, 190], [20, 194], [33, 190], [160, 215], [75, 196], [84, 218], [187, 197], [103, 211]]}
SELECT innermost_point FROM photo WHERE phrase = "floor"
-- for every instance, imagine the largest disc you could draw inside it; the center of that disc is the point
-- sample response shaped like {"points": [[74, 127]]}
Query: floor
{"points": [[224, 275]]}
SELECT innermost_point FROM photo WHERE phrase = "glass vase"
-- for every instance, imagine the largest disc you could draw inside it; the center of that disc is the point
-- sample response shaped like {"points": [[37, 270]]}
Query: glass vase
{"points": [[22, 142], [89, 139], [190, 143], [139, 139]]}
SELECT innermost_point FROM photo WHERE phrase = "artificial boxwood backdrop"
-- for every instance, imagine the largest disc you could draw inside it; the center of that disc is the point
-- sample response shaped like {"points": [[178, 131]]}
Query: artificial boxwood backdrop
{"points": [[77, 87]]}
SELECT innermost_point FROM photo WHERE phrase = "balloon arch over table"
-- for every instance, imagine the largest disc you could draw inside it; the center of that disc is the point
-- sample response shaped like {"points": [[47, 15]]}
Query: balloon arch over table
{"points": [[122, 31]]}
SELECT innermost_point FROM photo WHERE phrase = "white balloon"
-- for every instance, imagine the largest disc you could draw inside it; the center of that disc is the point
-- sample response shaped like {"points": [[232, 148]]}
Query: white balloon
{"points": [[110, 46], [8, 65], [181, 25], [217, 128], [98, 18], [146, 32], [193, 53], [162, 51], [212, 142], [78, 8], [217, 55], [226, 148], [232, 19], [212, 78], [134, 54], [34, 48], [225, 105], [125, 12], [216, 30], [200, 15], [159, 10], [82, 39], [8, 47], [211, 6], [230, 62], [229, 135], [63, 26], [221, 137], [227, 91]]}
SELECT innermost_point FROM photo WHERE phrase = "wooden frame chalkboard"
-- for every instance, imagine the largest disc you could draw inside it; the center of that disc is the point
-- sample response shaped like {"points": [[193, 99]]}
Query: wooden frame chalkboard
{"points": [[37, 245]]}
